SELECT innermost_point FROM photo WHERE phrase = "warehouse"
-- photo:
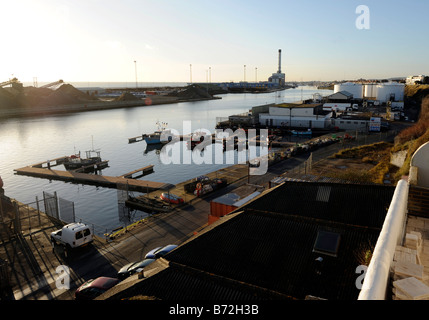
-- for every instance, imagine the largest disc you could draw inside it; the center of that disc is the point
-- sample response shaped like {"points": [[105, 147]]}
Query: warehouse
{"points": [[296, 115]]}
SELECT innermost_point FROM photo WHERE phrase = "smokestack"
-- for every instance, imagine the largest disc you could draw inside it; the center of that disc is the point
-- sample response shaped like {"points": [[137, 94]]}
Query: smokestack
{"points": [[280, 61]]}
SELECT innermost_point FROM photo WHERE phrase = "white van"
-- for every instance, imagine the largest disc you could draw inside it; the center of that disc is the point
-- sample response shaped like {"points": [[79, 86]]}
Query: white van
{"points": [[72, 235]]}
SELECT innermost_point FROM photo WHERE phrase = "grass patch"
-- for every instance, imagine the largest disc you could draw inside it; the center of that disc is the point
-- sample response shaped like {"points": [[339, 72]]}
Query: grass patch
{"points": [[360, 176], [377, 154]]}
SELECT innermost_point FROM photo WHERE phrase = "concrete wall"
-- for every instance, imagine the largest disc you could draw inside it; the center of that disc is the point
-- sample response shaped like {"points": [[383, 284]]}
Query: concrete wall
{"points": [[304, 122], [420, 160], [298, 112], [350, 124]]}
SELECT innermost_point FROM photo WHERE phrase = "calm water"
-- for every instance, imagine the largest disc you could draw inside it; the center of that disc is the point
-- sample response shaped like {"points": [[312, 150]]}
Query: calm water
{"points": [[31, 140]]}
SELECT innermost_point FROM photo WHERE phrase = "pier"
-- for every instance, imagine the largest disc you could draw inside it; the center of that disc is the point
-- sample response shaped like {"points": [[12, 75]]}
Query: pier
{"points": [[94, 179]]}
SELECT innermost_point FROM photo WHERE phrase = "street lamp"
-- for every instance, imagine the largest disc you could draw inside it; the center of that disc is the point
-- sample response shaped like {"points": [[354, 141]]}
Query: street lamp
{"points": [[135, 67]]}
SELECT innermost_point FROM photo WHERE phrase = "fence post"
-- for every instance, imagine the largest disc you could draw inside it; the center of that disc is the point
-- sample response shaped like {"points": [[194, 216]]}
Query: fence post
{"points": [[74, 214], [38, 210], [57, 209], [17, 222]]}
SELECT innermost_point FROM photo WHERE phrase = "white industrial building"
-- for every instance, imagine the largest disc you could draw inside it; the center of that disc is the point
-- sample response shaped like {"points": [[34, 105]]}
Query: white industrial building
{"points": [[296, 115], [356, 89], [381, 92], [413, 79]]}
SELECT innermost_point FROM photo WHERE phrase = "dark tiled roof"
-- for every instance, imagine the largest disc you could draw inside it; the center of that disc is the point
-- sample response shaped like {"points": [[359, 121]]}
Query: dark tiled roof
{"points": [[266, 251], [364, 205], [275, 251]]}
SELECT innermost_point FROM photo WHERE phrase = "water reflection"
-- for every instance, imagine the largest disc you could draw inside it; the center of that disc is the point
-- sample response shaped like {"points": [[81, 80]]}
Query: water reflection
{"points": [[30, 140]]}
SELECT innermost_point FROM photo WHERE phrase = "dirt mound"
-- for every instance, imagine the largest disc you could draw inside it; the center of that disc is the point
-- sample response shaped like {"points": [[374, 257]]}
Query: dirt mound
{"points": [[66, 94], [7, 100], [192, 92], [126, 96]]}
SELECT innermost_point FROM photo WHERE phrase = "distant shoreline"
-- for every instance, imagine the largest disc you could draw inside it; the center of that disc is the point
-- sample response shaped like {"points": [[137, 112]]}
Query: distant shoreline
{"points": [[93, 106]]}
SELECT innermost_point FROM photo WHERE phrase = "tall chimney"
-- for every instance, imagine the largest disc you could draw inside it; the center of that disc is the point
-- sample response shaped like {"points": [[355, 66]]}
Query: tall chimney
{"points": [[280, 61]]}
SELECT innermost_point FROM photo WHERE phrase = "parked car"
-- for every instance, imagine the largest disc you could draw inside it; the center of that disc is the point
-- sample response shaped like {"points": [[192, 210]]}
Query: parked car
{"points": [[133, 267], [160, 251], [95, 287], [171, 198]]}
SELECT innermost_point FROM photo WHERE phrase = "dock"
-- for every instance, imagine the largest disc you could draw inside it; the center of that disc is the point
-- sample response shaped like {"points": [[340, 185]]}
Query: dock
{"points": [[94, 179], [143, 171]]}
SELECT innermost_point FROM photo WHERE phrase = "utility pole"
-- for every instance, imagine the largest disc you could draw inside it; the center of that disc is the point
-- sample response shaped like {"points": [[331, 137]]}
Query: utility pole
{"points": [[244, 73], [135, 67], [190, 70]]}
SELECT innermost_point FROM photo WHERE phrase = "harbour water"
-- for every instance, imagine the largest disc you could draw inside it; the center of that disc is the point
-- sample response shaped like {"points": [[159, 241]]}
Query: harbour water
{"points": [[25, 141]]}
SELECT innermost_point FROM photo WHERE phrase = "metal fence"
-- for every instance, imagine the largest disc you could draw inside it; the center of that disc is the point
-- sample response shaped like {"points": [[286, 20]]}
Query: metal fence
{"points": [[361, 139]]}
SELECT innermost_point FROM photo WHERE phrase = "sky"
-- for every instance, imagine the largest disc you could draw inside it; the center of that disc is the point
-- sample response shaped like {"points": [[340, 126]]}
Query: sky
{"points": [[216, 41]]}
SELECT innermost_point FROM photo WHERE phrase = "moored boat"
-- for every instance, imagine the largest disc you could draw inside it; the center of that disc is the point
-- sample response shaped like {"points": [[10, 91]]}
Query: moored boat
{"points": [[302, 133], [75, 161], [159, 135]]}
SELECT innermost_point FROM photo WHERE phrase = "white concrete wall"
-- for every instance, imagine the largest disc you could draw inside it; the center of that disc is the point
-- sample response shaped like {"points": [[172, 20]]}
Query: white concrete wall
{"points": [[377, 275], [297, 112], [420, 160], [304, 122]]}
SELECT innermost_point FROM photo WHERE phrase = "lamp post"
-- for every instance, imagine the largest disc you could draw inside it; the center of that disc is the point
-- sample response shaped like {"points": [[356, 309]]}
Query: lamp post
{"points": [[244, 73], [135, 67]]}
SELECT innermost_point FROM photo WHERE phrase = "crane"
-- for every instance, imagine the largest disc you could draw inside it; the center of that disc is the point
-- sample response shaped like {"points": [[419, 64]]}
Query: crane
{"points": [[10, 81]]}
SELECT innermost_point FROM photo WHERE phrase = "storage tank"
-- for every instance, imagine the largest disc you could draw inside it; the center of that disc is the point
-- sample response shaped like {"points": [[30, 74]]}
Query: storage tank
{"points": [[390, 91], [356, 89], [370, 90]]}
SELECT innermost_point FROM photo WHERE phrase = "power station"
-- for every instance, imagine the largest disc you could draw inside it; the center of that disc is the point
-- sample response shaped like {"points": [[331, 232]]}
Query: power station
{"points": [[279, 77], [275, 82]]}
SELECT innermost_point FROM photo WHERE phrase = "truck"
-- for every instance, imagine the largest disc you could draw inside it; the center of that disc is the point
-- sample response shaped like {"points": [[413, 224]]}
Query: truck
{"points": [[72, 235]]}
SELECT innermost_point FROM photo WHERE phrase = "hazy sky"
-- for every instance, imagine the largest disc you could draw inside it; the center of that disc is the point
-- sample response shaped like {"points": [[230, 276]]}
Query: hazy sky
{"points": [[99, 40]]}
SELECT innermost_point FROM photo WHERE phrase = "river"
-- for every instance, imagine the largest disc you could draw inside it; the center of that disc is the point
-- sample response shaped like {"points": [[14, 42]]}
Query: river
{"points": [[26, 141]]}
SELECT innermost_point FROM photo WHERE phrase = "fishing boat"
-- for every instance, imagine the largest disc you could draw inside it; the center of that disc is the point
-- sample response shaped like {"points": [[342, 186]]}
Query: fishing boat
{"points": [[75, 161], [155, 137]]}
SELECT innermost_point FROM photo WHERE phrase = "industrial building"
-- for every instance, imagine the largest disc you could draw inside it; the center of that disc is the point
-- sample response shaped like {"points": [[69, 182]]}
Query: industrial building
{"points": [[415, 79], [379, 92], [278, 77], [276, 81], [296, 115]]}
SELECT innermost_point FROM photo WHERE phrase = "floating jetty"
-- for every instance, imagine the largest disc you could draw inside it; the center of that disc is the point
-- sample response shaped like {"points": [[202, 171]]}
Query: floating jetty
{"points": [[142, 172], [43, 170]]}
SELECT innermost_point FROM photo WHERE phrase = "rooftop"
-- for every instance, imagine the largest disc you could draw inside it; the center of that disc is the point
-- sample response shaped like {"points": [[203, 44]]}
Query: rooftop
{"points": [[271, 251]]}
